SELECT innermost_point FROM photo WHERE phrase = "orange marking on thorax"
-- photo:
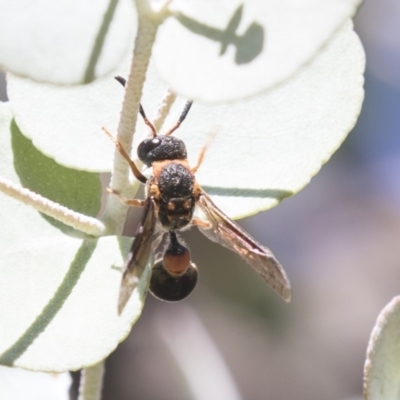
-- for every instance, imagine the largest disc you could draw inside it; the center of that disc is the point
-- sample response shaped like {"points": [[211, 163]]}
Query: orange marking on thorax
{"points": [[159, 165]]}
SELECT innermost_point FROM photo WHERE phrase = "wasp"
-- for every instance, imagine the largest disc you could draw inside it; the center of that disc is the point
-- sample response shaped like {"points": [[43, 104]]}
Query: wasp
{"points": [[173, 194]]}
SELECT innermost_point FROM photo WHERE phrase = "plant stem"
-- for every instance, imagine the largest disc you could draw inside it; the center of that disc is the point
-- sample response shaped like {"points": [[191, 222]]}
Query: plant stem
{"points": [[163, 109], [91, 382], [89, 225], [115, 212]]}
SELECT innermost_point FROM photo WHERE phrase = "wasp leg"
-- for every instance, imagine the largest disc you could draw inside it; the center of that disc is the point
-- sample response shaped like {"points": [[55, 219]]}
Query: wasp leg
{"points": [[202, 223], [202, 153], [128, 202], [199, 160], [138, 175]]}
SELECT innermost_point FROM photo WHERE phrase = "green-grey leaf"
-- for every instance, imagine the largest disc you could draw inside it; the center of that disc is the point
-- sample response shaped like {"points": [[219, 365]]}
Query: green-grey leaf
{"points": [[269, 147], [64, 41], [382, 366], [243, 47], [66, 123], [58, 293], [78, 190], [265, 149]]}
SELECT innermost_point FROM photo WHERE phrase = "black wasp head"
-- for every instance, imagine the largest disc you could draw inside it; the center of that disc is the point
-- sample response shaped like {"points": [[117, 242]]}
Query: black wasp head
{"points": [[161, 147]]}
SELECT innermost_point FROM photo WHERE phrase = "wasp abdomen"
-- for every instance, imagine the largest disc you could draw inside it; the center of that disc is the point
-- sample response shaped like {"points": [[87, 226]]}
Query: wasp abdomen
{"points": [[176, 201]]}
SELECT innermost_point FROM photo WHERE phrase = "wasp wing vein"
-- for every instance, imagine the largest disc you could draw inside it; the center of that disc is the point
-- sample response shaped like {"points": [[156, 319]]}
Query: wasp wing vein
{"points": [[227, 233], [139, 254]]}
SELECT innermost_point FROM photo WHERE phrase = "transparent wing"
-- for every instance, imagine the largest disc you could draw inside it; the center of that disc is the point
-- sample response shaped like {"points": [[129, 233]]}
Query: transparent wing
{"points": [[230, 235], [146, 239]]}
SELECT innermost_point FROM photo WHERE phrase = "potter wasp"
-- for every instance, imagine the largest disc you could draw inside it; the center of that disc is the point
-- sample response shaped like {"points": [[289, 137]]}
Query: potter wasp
{"points": [[172, 197]]}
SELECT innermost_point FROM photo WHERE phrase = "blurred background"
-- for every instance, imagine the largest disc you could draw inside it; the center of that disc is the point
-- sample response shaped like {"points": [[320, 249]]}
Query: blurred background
{"points": [[339, 241]]}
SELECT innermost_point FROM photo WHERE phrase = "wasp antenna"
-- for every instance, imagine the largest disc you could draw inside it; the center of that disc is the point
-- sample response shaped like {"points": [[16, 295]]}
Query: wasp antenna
{"points": [[122, 81], [203, 152], [147, 122], [184, 113]]}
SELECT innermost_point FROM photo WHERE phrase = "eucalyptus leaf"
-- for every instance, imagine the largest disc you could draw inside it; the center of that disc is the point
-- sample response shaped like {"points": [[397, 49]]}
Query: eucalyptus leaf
{"points": [[264, 149], [65, 41], [382, 366], [58, 293], [223, 50]]}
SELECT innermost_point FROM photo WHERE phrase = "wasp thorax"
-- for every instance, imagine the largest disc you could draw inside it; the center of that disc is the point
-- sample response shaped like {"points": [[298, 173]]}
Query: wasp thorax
{"points": [[159, 148]]}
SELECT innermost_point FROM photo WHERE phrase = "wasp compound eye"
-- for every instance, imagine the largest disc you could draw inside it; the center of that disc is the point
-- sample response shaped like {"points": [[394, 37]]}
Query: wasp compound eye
{"points": [[168, 287], [146, 149], [161, 148]]}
